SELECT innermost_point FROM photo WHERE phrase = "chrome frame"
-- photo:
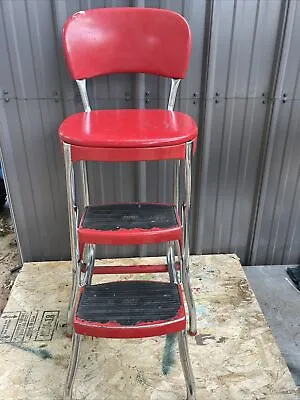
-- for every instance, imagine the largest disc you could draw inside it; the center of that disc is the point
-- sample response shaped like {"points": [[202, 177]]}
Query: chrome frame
{"points": [[176, 166], [89, 250], [186, 365], [172, 265], [176, 183], [186, 241], [72, 368], [179, 259], [81, 83], [176, 169], [72, 208], [84, 183], [182, 336], [90, 263], [173, 93], [76, 338], [73, 224]]}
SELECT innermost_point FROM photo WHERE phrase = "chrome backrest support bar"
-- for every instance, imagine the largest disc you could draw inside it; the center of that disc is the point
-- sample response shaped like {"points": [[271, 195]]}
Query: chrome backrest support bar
{"points": [[86, 104], [173, 92], [81, 83], [176, 169]]}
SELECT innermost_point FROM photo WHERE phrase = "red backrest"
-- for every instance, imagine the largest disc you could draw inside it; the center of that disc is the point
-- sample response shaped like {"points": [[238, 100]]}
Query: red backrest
{"points": [[116, 40]]}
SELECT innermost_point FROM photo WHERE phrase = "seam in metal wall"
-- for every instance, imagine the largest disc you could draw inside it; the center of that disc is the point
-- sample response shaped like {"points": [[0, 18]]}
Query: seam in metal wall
{"points": [[246, 170]]}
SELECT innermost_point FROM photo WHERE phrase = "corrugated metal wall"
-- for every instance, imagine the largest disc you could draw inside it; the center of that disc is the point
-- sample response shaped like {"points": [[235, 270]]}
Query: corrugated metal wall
{"points": [[242, 88]]}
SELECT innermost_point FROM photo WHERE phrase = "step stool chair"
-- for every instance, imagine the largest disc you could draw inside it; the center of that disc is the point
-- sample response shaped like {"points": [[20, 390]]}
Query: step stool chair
{"points": [[129, 40]]}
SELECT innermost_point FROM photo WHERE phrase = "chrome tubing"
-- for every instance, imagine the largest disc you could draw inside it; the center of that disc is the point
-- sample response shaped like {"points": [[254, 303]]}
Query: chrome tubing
{"points": [[171, 265], [90, 263], [176, 183], [173, 93], [73, 363], [84, 183], [186, 242], [186, 366], [72, 213], [81, 83]]}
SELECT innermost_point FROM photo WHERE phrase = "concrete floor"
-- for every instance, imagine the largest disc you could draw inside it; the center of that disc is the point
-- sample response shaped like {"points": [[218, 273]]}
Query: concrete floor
{"points": [[280, 303]]}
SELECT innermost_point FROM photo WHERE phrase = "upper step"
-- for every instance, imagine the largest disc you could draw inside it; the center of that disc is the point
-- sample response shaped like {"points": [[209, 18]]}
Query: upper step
{"points": [[130, 223]]}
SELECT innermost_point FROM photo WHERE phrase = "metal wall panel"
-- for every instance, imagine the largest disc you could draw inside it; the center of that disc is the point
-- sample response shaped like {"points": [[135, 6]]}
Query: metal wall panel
{"points": [[246, 189], [30, 116], [240, 64], [277, 232]]}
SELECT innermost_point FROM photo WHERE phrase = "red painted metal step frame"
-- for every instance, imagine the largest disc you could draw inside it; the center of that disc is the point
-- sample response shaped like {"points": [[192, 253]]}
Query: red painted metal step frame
{"points": [[114, 330], [134, 236], [130, 269]]}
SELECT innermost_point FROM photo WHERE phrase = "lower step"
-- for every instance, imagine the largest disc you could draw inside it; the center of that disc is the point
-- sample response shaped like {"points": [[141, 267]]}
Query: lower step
{"points": [[130, 309]]}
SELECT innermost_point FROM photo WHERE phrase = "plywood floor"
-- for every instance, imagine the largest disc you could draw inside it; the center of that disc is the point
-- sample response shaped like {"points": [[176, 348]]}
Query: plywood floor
{"points": [[234, 355]]}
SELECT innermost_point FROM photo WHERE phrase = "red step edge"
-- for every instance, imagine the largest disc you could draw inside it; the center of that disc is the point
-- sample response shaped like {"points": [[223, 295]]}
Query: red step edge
{"points": [[142, 329], [130, 269], [129, 237]]}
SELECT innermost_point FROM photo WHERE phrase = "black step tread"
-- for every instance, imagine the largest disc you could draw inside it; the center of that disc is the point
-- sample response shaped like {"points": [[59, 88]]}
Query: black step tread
{"points": [[130, 216], [129, 302]]}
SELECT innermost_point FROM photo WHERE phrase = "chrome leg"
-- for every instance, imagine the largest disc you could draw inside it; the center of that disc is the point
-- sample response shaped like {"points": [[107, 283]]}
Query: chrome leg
{"points": [[176, 200], [185, 280], [72, 366], [171, 265], [186, 241], [90, 263], [190, 303], [176, 183], [72, 212], [84, 183], [179, 255], [186, 366], [72, 298]]}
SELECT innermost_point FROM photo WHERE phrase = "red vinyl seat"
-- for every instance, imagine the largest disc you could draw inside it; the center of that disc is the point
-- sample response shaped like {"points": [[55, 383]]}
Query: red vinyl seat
{"points": [[128, 128]]}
